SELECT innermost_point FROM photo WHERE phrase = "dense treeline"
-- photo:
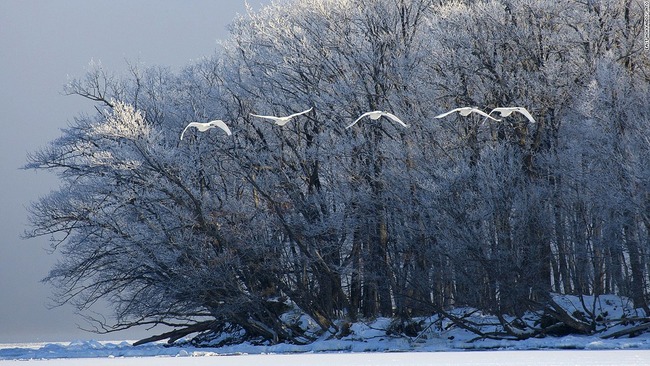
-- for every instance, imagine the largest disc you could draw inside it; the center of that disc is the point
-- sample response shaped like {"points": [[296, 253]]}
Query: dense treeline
{"points": [[216, 232]]}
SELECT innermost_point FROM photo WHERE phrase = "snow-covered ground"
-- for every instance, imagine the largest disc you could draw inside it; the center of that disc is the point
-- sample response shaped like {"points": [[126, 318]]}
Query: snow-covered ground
{"points": [[439, 342], [372, 347]]}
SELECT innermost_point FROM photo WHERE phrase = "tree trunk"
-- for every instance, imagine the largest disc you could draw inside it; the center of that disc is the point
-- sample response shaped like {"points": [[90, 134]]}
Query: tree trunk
{"points": [[637, 266]]}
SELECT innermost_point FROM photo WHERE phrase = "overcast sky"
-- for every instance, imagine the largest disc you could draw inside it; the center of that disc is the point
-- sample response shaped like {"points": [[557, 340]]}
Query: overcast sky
{"points": [[42, 42]]}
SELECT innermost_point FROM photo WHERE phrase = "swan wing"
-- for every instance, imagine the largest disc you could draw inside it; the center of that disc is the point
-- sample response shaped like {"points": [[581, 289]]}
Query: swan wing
{"points": [[191, 124], [505, 111], [299, 113], [394, 118], [476, 110], [357, 120], [526, 114], [267, 117], [448, 113], [222, 125]]}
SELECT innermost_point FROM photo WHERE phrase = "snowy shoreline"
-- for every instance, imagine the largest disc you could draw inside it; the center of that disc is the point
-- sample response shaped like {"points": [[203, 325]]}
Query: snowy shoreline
{"points": [[125, 349], [617, 323]]}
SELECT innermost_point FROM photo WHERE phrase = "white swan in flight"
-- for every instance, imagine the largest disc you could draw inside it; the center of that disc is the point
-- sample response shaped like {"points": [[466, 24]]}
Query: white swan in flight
{"points": [[281, 121], [204, 126], [374, 115], [465, 111], [506, 111]]}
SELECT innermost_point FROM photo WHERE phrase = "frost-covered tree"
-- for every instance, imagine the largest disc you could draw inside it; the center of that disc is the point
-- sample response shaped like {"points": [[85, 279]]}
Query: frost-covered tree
{"points": [[219, 232]]}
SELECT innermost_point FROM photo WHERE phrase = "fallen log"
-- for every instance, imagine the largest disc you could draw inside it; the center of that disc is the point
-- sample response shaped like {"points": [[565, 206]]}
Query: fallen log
{"points": [[628, 331], [177, 334], [556, 311]]}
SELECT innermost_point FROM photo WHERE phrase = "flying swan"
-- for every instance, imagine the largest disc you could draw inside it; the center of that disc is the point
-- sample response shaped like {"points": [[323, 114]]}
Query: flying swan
{"points": [[374, 115], [204, 126], [281, 121], [506, 111], [465, 111]]}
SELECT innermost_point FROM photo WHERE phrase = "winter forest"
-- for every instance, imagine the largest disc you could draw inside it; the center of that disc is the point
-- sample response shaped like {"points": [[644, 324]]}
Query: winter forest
{"points": [[219, 233]]}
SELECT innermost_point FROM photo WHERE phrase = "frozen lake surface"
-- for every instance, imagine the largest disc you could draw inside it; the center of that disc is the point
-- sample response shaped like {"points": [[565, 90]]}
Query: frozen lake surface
{"points": [[556, 357]]}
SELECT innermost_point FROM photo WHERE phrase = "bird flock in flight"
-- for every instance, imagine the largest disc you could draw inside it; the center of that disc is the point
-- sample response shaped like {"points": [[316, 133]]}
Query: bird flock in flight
{"points": [[374, 115]]}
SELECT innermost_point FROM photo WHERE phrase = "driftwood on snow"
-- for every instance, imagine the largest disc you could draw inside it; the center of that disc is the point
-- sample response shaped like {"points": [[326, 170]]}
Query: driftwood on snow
{"points": [[177, 334], [629, 331]]}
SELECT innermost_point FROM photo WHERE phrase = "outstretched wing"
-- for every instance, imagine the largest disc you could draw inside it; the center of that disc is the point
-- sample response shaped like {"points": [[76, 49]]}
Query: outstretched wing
{"points": [[267, 117], [394, 118], [448, 113], [281, 121], [191, 124], [526, 114], [357, 120], [299, 113], [505, 111], [476, 110], [219, 123]]}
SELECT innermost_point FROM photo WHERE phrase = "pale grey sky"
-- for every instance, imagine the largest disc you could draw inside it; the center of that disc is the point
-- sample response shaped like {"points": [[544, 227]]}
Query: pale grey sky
{"points": [[41, 43]]}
